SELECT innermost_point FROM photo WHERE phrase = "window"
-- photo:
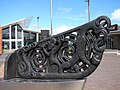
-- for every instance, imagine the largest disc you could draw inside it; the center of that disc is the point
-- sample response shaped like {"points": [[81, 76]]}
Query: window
{"points": [[5, 33], [26, 35], [29, 37], [13, 45], [19, 32], [13, 32], [33, 36], [5, 44], [19, 44]]}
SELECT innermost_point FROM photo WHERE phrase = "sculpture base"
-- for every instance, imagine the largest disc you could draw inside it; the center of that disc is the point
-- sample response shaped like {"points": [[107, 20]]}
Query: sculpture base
{"points": [[43, 85]]}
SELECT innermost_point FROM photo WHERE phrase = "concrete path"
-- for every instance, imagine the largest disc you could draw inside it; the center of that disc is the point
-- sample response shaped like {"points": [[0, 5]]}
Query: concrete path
{"points": [[107, 75]]}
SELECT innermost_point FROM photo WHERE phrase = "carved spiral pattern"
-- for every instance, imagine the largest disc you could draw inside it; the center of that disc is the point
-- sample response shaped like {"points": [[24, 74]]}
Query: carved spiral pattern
{"points": [[23, 66], [73, 54], [37, 60]]}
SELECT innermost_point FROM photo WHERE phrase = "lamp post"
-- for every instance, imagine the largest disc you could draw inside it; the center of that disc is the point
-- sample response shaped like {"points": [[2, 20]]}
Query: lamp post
{"points": [[38, 23], [88, 1], [38, 28], [51, 16]]}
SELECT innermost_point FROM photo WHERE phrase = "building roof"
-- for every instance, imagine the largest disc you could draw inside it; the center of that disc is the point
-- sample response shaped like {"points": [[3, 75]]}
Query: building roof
{"points": [[24, 23], [116, 31]]}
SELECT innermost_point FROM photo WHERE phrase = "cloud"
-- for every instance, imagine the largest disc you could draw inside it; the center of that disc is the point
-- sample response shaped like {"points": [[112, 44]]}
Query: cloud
{"points": [[77, 17], [65, 10], [116, 15], [56, 30], [74, 18], [62, 28], [44, 28], [34, 26]]}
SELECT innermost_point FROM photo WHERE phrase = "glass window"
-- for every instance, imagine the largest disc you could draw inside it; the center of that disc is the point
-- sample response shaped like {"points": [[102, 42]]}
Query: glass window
{"points": [[13, 45], [19, 44], [5, 33], [33, 36], [5, 44], [26, 35], [19, 32], [19, 27], [29, 37], [39, 37], [13, 32]]}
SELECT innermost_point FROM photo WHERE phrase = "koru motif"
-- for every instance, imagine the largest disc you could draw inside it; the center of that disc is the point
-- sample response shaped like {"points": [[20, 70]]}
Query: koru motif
{"points": [[73, 54]]}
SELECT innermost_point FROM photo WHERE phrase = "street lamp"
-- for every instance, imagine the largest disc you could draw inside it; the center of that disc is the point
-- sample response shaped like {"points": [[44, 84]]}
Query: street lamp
{"points": [[51, 16], [38, 28], [88, 1], [38, 23]]}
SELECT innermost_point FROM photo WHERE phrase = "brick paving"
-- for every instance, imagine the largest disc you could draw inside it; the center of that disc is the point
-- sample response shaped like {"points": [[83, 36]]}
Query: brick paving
{"points": [[105, 77]]}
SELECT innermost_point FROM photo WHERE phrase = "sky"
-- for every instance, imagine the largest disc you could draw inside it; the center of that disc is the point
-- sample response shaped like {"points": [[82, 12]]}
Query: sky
{"points": [[66, 14]]}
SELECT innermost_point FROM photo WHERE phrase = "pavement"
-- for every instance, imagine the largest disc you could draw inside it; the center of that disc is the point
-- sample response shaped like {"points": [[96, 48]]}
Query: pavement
{"points": [[2, 58], [105, 77]]}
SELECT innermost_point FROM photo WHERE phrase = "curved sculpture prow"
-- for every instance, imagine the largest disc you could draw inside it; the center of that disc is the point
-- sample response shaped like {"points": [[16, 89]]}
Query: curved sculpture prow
{"points": [[73, 54]]}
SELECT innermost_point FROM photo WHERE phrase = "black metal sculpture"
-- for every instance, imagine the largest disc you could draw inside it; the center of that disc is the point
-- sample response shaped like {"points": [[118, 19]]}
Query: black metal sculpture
{"points": [[73, 54]]}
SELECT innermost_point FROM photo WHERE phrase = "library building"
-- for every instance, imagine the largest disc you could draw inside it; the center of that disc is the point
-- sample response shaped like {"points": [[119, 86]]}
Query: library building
{"points": [[16, 35]]}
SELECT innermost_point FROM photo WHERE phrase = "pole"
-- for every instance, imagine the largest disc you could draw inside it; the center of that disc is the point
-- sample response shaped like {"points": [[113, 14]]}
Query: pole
{"points": [[38, 23], [51, 16], [88, 1], [89, 10], [37, 29]]}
